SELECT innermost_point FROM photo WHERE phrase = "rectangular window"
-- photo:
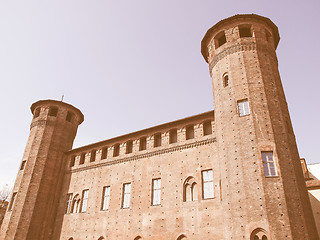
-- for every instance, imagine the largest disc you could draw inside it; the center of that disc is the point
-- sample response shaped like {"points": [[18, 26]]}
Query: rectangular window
{"points": [[207, 128], [93, 156], [13, 199], [143, 144], [268, 164], [23, 164], [37, 113], [84, 201], [105, 198], [189, 132], [126, 195], [157, 140], [173, 136], [207, 184], [243, 107], [53, 111], [72, 161], [245, 31], [129, 147], [220, 39], [116, 150], [82, 158], [156, 191], [104, 153], [69, 203]]}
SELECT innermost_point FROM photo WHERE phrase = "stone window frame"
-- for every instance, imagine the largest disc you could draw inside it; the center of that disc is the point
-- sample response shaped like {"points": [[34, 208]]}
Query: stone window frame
{"points": [[207, 184]]}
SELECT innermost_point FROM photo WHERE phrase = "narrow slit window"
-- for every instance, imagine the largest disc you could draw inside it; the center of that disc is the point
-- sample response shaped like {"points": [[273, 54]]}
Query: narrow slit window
{"points": [[84, 201], [243, 107], [126, 195], [116, 150], [93, 156], [104, 153], [207, 184], [156, 191], [129, 146], [268, 164], [23, 164], [225, 80], [53, 111], [143, 144], [220, 39], [157, 140], [13, 199], [82, 158], [69, 116], [173, 136], [69, 203], [105, 198], [245, 31], [189, 132], [72, 161], [207, 128]]}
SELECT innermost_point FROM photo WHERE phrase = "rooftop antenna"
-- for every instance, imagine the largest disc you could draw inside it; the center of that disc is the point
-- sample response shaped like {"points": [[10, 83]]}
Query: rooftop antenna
{"points": [[62, 97]]}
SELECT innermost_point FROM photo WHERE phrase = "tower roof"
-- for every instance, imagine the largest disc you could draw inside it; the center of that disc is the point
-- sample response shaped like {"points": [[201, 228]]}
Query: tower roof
{"points": [[208, 35], [58, 103]]}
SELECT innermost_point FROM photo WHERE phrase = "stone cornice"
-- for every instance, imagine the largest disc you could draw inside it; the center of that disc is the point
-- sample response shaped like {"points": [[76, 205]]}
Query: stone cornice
{"points": [[237, 48], [146, 155]]}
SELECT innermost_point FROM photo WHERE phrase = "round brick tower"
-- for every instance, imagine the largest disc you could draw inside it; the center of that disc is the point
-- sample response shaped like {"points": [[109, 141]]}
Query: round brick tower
{"points": [[263, 193], [32, 208]]}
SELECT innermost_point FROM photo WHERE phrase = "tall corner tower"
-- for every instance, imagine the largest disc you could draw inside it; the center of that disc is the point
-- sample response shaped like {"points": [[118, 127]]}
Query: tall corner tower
{"points": [[34, 200], [263, 190]]}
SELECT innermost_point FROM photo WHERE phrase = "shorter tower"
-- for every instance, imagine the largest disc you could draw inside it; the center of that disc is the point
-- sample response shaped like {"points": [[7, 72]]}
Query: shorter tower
{"points": [[32, 208]]}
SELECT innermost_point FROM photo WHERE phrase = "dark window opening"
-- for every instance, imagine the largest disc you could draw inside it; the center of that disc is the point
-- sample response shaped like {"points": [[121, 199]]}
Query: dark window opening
{"points": [[225, 80], [13, 198], [220, 39], [245, 31], [207, 128], [82, 158], [73, 161], [104, 153], [93, 156], [129, 147], [69, 116], [143, 144], [157, 140], [37, 112], [189, 132], [53, 111], [23, 164], [116, 150], [173, 136]]}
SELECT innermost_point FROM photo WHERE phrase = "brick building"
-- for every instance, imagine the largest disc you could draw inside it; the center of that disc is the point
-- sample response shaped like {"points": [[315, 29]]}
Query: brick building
{"points": [[229, 174]]}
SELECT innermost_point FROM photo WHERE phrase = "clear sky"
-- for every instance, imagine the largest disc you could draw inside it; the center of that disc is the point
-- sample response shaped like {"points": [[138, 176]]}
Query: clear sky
{"points": [[129, 65]]}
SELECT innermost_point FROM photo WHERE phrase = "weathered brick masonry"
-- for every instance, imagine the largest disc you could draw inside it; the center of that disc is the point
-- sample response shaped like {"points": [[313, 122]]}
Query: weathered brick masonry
{"points": [[229, 174]]}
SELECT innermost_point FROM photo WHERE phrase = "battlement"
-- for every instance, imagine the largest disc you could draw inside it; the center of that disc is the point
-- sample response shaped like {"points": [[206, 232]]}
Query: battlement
{"points": [[171, 136]]}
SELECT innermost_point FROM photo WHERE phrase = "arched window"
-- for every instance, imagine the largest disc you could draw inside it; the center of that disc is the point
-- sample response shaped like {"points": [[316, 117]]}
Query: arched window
{"points": [[70, 238], [259, 234], [101, 238], [225, 79], [182, 237], [138, 238], [190, 191], [75, 204]]}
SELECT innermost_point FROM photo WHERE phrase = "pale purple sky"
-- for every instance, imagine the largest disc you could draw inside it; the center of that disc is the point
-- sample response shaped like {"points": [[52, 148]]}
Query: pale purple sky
{"points": [[129, 65]]}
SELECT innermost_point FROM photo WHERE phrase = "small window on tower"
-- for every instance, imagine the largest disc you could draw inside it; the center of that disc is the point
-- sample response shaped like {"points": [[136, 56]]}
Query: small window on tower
{"points": [[157, 140], [173, 136], [37, 112], [69, 116], [13, 198], [245, 31], [225, 80], [220, 39], [23, 164], [93, 156], [53, 111], [207, 128], [268, 164], [72, 161], [189, 132], [116, 150], [104, 153], [129, 146], [243, 107], [82, 158], [143, 144]]}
